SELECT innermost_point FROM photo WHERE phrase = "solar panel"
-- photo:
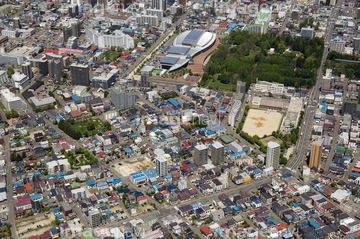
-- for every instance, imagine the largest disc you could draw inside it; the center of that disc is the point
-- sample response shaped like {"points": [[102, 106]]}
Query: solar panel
{"points": [[193, 37], [178, 50], [169, 60]]}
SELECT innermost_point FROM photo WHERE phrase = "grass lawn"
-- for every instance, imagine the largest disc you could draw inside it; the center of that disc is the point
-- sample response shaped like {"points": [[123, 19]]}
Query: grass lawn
{"points": [[111, 55], [217, 85], [99, 125]]}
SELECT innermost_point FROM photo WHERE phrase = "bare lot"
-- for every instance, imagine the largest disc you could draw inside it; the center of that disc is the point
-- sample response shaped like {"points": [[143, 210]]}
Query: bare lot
{"points": [[141, 163], [261, 122]]}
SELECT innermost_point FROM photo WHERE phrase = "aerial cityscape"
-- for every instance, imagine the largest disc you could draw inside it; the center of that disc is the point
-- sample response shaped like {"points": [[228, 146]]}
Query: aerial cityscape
{"points": [[182, 119]]}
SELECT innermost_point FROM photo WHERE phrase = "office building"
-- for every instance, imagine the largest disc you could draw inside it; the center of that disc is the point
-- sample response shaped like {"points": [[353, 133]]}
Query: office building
{"points": [[72, 43], [20, 80], [92, 3], [241, 87], [41, 64], [307, 32], [356, 44], [272, 155], [159, 4], [121, 99], [12, 102], [80, 74], [104, 81], [3, 77], [200, 155], [145, 75], [94, 217], [155, 12], [76, 28], [16, 22], [217, 153], [161, 166], [73, 10], [55, 65], [12, 33], [26, 69], [66, 33], [315, 154]]}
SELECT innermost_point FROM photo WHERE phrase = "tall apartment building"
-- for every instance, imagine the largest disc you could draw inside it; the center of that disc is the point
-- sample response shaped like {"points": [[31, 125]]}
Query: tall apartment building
{"points": [[66, 33], [152, 20], [201, 155], [234, 113], [217, 153], [145, 75], [94, 218], [161, 166], [159, 4], [3, 77], [16, 22], [20, 80], [55, 65], [121, 99], [80, 74], [315, 154], [72, 43], [26, 69], [11, 101], [241, 87], [272, 155]]}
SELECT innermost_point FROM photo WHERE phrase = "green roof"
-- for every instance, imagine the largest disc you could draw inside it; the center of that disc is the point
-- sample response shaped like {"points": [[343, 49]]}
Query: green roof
{"points": [[87, 235], [226, 139]]}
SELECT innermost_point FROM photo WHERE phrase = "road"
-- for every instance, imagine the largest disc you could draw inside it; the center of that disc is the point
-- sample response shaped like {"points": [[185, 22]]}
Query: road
{"points": [[333, 145], [304, 141], [287, 16]]}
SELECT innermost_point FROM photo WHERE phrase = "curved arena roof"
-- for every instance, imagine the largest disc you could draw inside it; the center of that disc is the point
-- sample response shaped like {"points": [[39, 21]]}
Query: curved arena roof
{"points": [[190, 42]]}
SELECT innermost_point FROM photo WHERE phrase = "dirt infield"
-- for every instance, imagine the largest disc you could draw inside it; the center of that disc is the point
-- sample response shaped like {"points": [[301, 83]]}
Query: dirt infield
{"points": [[261, 122], [270, 138]]}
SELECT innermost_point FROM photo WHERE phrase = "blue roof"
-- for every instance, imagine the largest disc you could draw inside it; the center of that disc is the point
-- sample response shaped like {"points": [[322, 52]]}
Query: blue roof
{"points": [[178, 50], [169, 60], [56, 210], [174, 102], [36, 196], [53, 230], [75, 97], [90, 182], [108, 212], [60, 216], [123, 190], [53, 192], [116, 181]]}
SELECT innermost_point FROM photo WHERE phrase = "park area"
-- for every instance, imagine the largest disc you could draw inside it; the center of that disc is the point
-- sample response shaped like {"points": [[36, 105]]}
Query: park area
{"points": [[91, 126], [261, 122]]}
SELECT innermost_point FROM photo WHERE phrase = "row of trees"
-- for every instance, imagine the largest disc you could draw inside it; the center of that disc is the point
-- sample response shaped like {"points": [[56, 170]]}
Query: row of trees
{"points": [[69, 129]]}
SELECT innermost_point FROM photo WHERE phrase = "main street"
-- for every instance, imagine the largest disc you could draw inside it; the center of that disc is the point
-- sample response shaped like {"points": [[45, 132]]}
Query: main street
{"points": [[304, 141]]}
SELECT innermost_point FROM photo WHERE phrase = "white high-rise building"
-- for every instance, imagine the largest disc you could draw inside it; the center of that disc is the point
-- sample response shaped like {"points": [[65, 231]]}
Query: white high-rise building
{"points": [[94, 218], [272, 155], [20, 80], [11, 101], [159, 4], [182, 184], [161, 166], [201, 155]]}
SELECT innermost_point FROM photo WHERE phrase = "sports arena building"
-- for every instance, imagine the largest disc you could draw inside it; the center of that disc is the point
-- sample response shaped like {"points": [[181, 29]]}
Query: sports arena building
{"points": [[186, 46]]}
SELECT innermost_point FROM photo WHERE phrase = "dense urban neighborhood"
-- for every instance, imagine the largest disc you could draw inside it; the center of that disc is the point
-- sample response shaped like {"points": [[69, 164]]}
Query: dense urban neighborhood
{"points": [[179, 119]]}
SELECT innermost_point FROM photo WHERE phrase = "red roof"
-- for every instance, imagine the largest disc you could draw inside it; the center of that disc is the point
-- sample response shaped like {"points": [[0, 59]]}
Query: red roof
{"points": [[205, 230], [65, 146], [75, 113], [356, 170], [101, 153], [28, 186], [141, 198]]}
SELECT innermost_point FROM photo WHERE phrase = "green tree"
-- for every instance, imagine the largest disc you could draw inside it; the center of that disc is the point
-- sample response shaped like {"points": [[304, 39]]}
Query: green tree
{"points": [[10, 71], [107, 125], [90, 125]]}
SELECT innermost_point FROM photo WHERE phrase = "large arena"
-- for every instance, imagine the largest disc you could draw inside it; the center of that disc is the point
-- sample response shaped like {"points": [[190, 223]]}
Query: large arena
{"points": [[186, 46]]}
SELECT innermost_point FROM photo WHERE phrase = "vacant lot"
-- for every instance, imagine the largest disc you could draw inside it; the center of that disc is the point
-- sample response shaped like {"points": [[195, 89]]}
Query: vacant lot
{"points": [[261, 122], [136, 165]]}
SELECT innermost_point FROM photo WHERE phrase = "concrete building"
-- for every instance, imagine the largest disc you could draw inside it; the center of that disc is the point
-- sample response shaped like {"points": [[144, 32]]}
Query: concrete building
{"points": [[145, 74], [12, 102], [80, 74], [234, 113], [104, 81], [155, 12], [20, 80], [16, 23], [121, 99], [200, 155], [159, 4], [217, 153], [337, 45], [272, 87], [161, 166], [55, 65], [26, 69], [102, 40], [3, 77], [94, 218], [13, 33], [66, 33], [241, 87], [72, 43], [293, 113], [315, 154], [152, 20], [272, 155]]}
